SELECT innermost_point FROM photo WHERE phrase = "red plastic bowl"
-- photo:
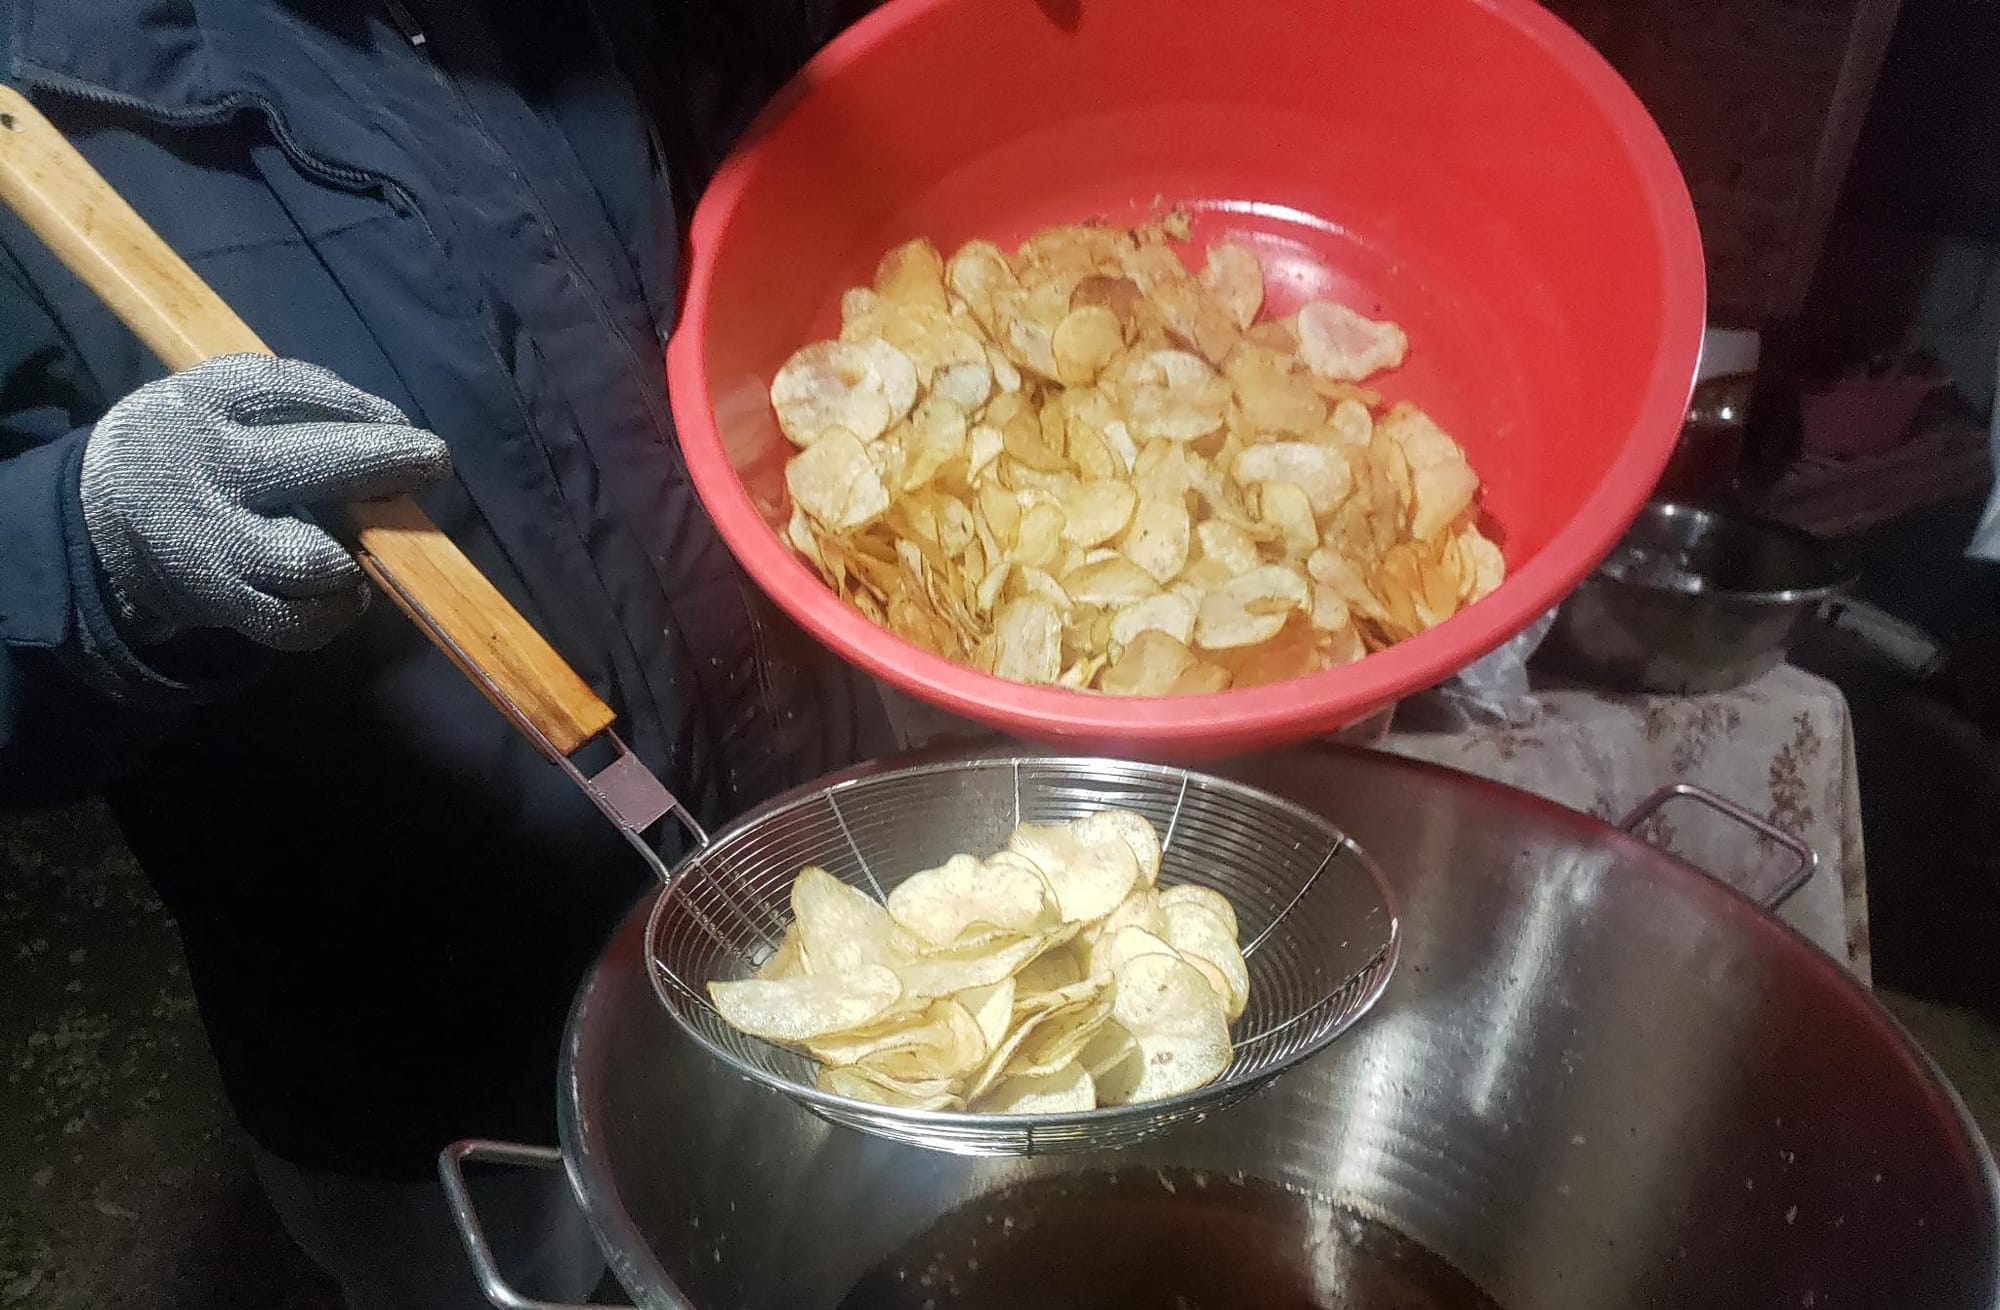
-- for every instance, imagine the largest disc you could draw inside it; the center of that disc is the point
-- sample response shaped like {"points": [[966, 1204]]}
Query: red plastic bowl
{"points": [[1469, 168]]}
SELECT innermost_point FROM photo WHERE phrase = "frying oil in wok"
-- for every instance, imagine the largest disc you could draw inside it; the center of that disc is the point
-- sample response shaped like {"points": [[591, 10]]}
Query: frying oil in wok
{"points": [[1146, 1239]]}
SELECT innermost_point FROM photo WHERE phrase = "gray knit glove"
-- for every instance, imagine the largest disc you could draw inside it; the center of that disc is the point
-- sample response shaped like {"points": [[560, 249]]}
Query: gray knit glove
{"points": [[193, 487]]}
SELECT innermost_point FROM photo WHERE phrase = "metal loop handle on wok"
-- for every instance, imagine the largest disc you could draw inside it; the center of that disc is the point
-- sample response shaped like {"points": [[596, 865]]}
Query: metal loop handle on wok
{"points": [[465, 1215], [1799, 876]]}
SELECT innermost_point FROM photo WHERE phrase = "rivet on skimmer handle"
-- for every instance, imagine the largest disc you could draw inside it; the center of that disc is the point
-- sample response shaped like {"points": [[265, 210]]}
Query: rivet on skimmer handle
{"points": [[1808, 859]]}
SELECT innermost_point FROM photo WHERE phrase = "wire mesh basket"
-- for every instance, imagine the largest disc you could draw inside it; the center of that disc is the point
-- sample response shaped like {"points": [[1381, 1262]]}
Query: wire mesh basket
{"points": [[1317, 922]]}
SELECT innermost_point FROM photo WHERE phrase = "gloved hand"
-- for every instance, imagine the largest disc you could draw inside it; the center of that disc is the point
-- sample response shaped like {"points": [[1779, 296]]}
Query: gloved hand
{"points": [[192, 489]]}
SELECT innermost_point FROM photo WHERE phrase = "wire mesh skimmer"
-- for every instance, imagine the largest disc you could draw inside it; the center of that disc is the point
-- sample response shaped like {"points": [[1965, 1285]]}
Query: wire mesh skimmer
{"points": [[1317, 922]]}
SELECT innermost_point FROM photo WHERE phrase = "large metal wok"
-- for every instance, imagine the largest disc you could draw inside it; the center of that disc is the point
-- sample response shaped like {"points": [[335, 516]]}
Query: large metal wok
{"points": [[1600, 1079]]}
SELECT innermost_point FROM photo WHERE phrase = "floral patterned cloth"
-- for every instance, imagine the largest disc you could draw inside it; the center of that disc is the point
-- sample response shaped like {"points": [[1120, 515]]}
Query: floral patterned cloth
{"points": [[1782, 746]]}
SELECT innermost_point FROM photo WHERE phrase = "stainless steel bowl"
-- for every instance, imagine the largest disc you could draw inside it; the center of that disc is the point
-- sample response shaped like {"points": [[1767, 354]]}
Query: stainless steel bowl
{"points": [[1693, 600], [1599, 1080]]}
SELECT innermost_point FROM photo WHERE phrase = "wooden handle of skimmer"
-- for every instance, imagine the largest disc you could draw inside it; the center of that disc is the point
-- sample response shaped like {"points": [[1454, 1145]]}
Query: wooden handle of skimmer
{"points": [[152, 290]]}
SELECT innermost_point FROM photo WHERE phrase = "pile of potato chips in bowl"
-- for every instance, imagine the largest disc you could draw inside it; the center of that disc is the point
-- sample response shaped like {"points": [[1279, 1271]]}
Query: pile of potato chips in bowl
{"points": [[1090, 465], [1052, 976], [986, 952]]}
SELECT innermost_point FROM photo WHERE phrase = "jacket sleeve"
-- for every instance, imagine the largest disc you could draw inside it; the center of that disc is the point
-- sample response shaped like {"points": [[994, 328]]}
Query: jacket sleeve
{"points": [[76, 703]]}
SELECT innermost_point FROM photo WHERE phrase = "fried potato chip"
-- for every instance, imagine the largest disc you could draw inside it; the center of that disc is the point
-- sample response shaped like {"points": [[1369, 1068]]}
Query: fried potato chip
{"points": [[1064, 255], [1279, 334], [1114, 948], [893, 1034], [1339, 574], [1160, 472], [1023, 438], [1115, 1064], [1150, 263], [1167, 612], [1228, 545], [801, 1008], [1152, 664], [1113, 582], [1486, 566], [1172, 395], [1286, 507], [1236, 280], [1083, 343], [1190, 893], [955, 1047], [1120, 295], [1201, 937], [1028, 1018], [1006, 378], [1031, 345], [1091, 452], [1061, 1090], [1094, 512], [1329, 612], [788, 961], [859, 1083], [1027, 636], [1048, 973], [992, 1007], [912, 274], [1090, 868], [1321, 471], [1139, 909], [1250, 608], [936, 435], [856, 387], [1203, 678], [1177, 1020], [1273, 396], [1158, 538], [939, 905], [943, 1040], [1061, 1032], [946, 973], [1029, 581], [1194, 319], [1337, 343], [834, 481], [1135, 830], [1442, 484], [968, 385], [841, 928], [1350, 425], [980, 276], [1292, 653]]}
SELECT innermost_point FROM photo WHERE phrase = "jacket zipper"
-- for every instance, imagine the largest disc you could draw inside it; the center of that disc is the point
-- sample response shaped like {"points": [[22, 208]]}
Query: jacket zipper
{"points": [[413, 32]]}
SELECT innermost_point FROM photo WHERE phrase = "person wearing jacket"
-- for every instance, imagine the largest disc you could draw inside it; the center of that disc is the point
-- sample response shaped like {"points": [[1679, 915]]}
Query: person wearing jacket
{"points": [[454, 221]]}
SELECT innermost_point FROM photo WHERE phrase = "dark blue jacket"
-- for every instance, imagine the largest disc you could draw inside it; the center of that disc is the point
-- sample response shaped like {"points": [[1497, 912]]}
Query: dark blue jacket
{"points": [[468, 208]]}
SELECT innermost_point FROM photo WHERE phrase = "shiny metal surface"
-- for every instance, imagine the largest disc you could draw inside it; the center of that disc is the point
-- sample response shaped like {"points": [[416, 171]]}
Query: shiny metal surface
{"points": [[1598, 1080], [1317, 921], [1693, 600]]}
